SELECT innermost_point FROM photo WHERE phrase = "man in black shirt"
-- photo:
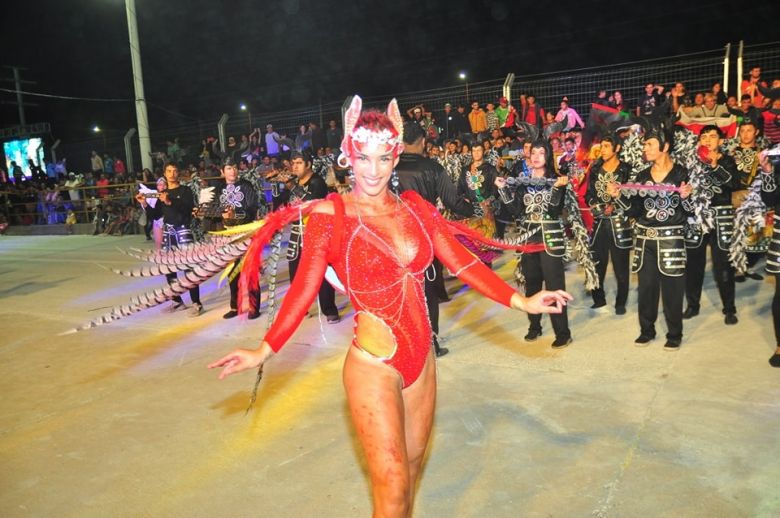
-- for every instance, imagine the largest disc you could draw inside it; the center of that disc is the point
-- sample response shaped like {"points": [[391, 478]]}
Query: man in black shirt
{"points": [[611, 228], [428, 178], [660, 210], [304, 187], [650, 101], [721, 179], [238, 204], [175, 206], [334, 135]]}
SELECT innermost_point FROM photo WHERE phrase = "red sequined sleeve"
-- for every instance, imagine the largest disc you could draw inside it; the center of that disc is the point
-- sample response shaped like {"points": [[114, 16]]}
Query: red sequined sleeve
{"points": [[461, 262], [303, 290]]}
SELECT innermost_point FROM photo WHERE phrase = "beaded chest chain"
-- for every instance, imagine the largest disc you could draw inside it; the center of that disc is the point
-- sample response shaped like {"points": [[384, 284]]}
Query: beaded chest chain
{"points": [[382, 285]]}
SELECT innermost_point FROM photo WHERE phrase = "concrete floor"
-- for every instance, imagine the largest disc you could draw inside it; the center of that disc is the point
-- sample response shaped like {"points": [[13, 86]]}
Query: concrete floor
{"points": [[125, 420]]}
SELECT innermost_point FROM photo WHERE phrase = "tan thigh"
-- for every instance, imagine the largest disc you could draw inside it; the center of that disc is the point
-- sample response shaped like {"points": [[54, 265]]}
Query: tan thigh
{"points": [[419, 404], [377, 410]]}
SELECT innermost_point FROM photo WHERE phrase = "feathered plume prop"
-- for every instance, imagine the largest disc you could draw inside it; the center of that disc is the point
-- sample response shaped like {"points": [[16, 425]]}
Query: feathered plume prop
{"points": [[749, 216]]}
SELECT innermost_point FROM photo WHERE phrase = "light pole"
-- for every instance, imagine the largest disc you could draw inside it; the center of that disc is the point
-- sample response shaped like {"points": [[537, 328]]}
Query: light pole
{"points": [[463, 77], [244, 108], [144, 140]]}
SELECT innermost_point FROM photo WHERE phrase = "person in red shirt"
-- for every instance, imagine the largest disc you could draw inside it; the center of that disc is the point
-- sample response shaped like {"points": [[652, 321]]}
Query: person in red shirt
{"points": [[534, 114], [750, 86], [102, 183], [119, 166]]}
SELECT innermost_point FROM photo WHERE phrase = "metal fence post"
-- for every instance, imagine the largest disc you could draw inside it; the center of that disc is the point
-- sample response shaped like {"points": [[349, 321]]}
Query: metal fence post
{"points": [[54, 151], [221, 131], [129, 150], [739, 69], [507, 89], [344, 108], [725, 89]]}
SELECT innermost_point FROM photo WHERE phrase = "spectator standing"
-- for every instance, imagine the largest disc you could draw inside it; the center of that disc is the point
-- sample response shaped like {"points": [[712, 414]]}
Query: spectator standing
{"points": [[232, 150], [750, 87], [97, 163], [772, 122], [303, 138], [650, 101], [119, 166], [533, 114], [678, 99], [318, 137], [617, 101], [108, 164], [461, 122], [720, 95], [491, 117], [447, 124], [477, 119], [569, 117], [174, 151], [334, 135], [272, 141], [502, 111], [103, 183]]}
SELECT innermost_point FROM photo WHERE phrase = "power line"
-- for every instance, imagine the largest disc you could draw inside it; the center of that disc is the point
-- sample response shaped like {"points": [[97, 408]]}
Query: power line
{"points": [[64, 97]]}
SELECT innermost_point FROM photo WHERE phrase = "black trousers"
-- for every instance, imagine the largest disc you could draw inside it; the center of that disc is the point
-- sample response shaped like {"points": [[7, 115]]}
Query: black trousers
{"points": [[432, 299], [652, 285], [721, 269], [254, 293], [541, 268], [194, 292], [603, 247], [436, 270], [175, 236], [327, 295], [433, 294]]}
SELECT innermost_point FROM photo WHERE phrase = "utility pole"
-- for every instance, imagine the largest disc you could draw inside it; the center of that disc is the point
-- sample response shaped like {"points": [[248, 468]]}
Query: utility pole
{"points": [[142, 118], [19, 101], [18, 82]]}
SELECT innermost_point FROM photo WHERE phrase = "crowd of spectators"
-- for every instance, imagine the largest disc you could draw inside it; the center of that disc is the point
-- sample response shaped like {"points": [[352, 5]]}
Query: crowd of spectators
{"points": [[104, 195]]}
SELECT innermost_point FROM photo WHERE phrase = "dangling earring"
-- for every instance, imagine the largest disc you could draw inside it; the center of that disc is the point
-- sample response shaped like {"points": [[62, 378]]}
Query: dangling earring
{"points": [[394, 181], [342, 161]]}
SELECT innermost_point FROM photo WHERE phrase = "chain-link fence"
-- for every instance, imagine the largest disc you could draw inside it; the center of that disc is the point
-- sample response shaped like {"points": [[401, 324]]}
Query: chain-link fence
{"points": [[699, 71], [766, 56]]}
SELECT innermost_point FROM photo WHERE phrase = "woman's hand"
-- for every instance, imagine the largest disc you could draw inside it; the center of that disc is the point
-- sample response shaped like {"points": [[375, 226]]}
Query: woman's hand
{"points": [[500, 182], [242, 359], [542, 302], [562, 181]]}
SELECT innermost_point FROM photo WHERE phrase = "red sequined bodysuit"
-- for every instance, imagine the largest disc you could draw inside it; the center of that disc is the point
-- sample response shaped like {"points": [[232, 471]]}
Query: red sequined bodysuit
{"points": [[382, 261]]}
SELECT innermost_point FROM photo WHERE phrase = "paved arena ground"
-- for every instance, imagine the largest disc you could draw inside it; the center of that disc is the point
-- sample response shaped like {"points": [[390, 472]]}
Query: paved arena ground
{"points": [[125, 419]]}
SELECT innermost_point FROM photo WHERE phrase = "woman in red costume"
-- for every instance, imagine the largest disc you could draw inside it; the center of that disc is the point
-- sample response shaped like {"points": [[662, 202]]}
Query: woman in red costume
{"points": [[380, 245]]}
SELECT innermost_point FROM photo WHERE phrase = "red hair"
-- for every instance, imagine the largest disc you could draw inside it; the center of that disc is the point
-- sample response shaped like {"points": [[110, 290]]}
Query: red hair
{"points": [[377, 121]]}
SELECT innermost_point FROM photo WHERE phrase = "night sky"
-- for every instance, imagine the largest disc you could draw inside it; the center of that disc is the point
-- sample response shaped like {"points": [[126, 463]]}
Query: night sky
{"points": [[201, 59]]}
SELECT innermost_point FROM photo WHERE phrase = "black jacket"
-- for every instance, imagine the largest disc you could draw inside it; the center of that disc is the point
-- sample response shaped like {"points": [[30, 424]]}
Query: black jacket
{"points": [[179, 212], [428, 179], [242, 197]]}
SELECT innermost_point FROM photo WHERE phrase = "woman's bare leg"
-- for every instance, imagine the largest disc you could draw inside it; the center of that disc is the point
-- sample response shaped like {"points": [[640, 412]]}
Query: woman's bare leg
{"points": [[377, 409], [419, 403]]}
